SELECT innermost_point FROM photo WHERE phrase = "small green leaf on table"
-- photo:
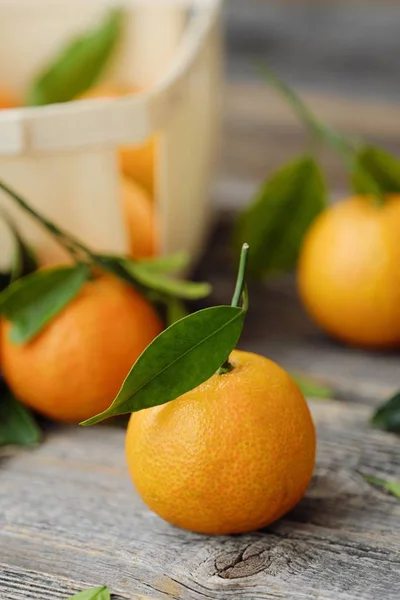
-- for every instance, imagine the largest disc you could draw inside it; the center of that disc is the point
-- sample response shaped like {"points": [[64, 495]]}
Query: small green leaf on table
{"points": [[387, 416], [79, 64], [375, 167], [312, 387], [95, 593], [17, 426], [393, 487], [182, 357], [275, 223], [32, 302]]}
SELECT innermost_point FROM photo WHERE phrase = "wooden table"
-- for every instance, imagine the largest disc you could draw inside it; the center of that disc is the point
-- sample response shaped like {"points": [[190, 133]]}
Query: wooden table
{"points": [[69, 517]]}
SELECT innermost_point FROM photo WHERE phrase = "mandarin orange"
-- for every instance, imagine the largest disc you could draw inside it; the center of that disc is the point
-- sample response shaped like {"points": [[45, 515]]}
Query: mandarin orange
{"points": [[140, 220], [75, 366], [230, 456], [348, 274]]}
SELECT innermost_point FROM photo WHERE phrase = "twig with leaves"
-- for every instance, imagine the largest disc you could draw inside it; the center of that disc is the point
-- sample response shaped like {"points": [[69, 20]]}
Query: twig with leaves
{"points": [[32, 298], [276, 221]]}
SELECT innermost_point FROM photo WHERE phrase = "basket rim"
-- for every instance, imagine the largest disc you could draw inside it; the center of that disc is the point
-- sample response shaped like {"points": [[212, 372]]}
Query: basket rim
{"points": [[130, 118]]}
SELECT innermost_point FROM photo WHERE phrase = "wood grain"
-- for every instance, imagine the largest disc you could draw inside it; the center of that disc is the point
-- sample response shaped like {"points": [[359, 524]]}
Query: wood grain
{"points": [[348, 47], [69, 518]]}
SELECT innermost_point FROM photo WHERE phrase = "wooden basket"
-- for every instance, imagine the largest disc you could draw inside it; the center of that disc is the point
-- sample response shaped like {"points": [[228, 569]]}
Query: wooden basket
{"points": [[62, 158]]}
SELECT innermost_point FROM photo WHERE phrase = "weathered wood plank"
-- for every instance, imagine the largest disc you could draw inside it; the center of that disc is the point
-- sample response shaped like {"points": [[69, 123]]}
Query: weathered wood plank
{"points": [[350, 46], [16, 584], [68, 509]]}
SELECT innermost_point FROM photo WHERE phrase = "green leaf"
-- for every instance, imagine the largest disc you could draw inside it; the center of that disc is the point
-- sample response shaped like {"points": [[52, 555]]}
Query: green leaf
{"points": [[178, 288], [374, 165], [166, 264], [148, 276], [17, 425], [393, 487], [312, 387], [33, 301], [79, 64], [275, 223], [114, 264], [95, 593], [182, 357], [387, 416]]}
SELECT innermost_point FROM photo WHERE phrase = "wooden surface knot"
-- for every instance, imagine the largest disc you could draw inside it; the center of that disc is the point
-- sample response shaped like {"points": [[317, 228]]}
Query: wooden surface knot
{"points": [[249, 561]]}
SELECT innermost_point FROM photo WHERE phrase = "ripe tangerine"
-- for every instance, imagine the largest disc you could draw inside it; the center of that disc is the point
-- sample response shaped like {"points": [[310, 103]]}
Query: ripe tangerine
{"points": [[230, 456], [75, 366]]}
